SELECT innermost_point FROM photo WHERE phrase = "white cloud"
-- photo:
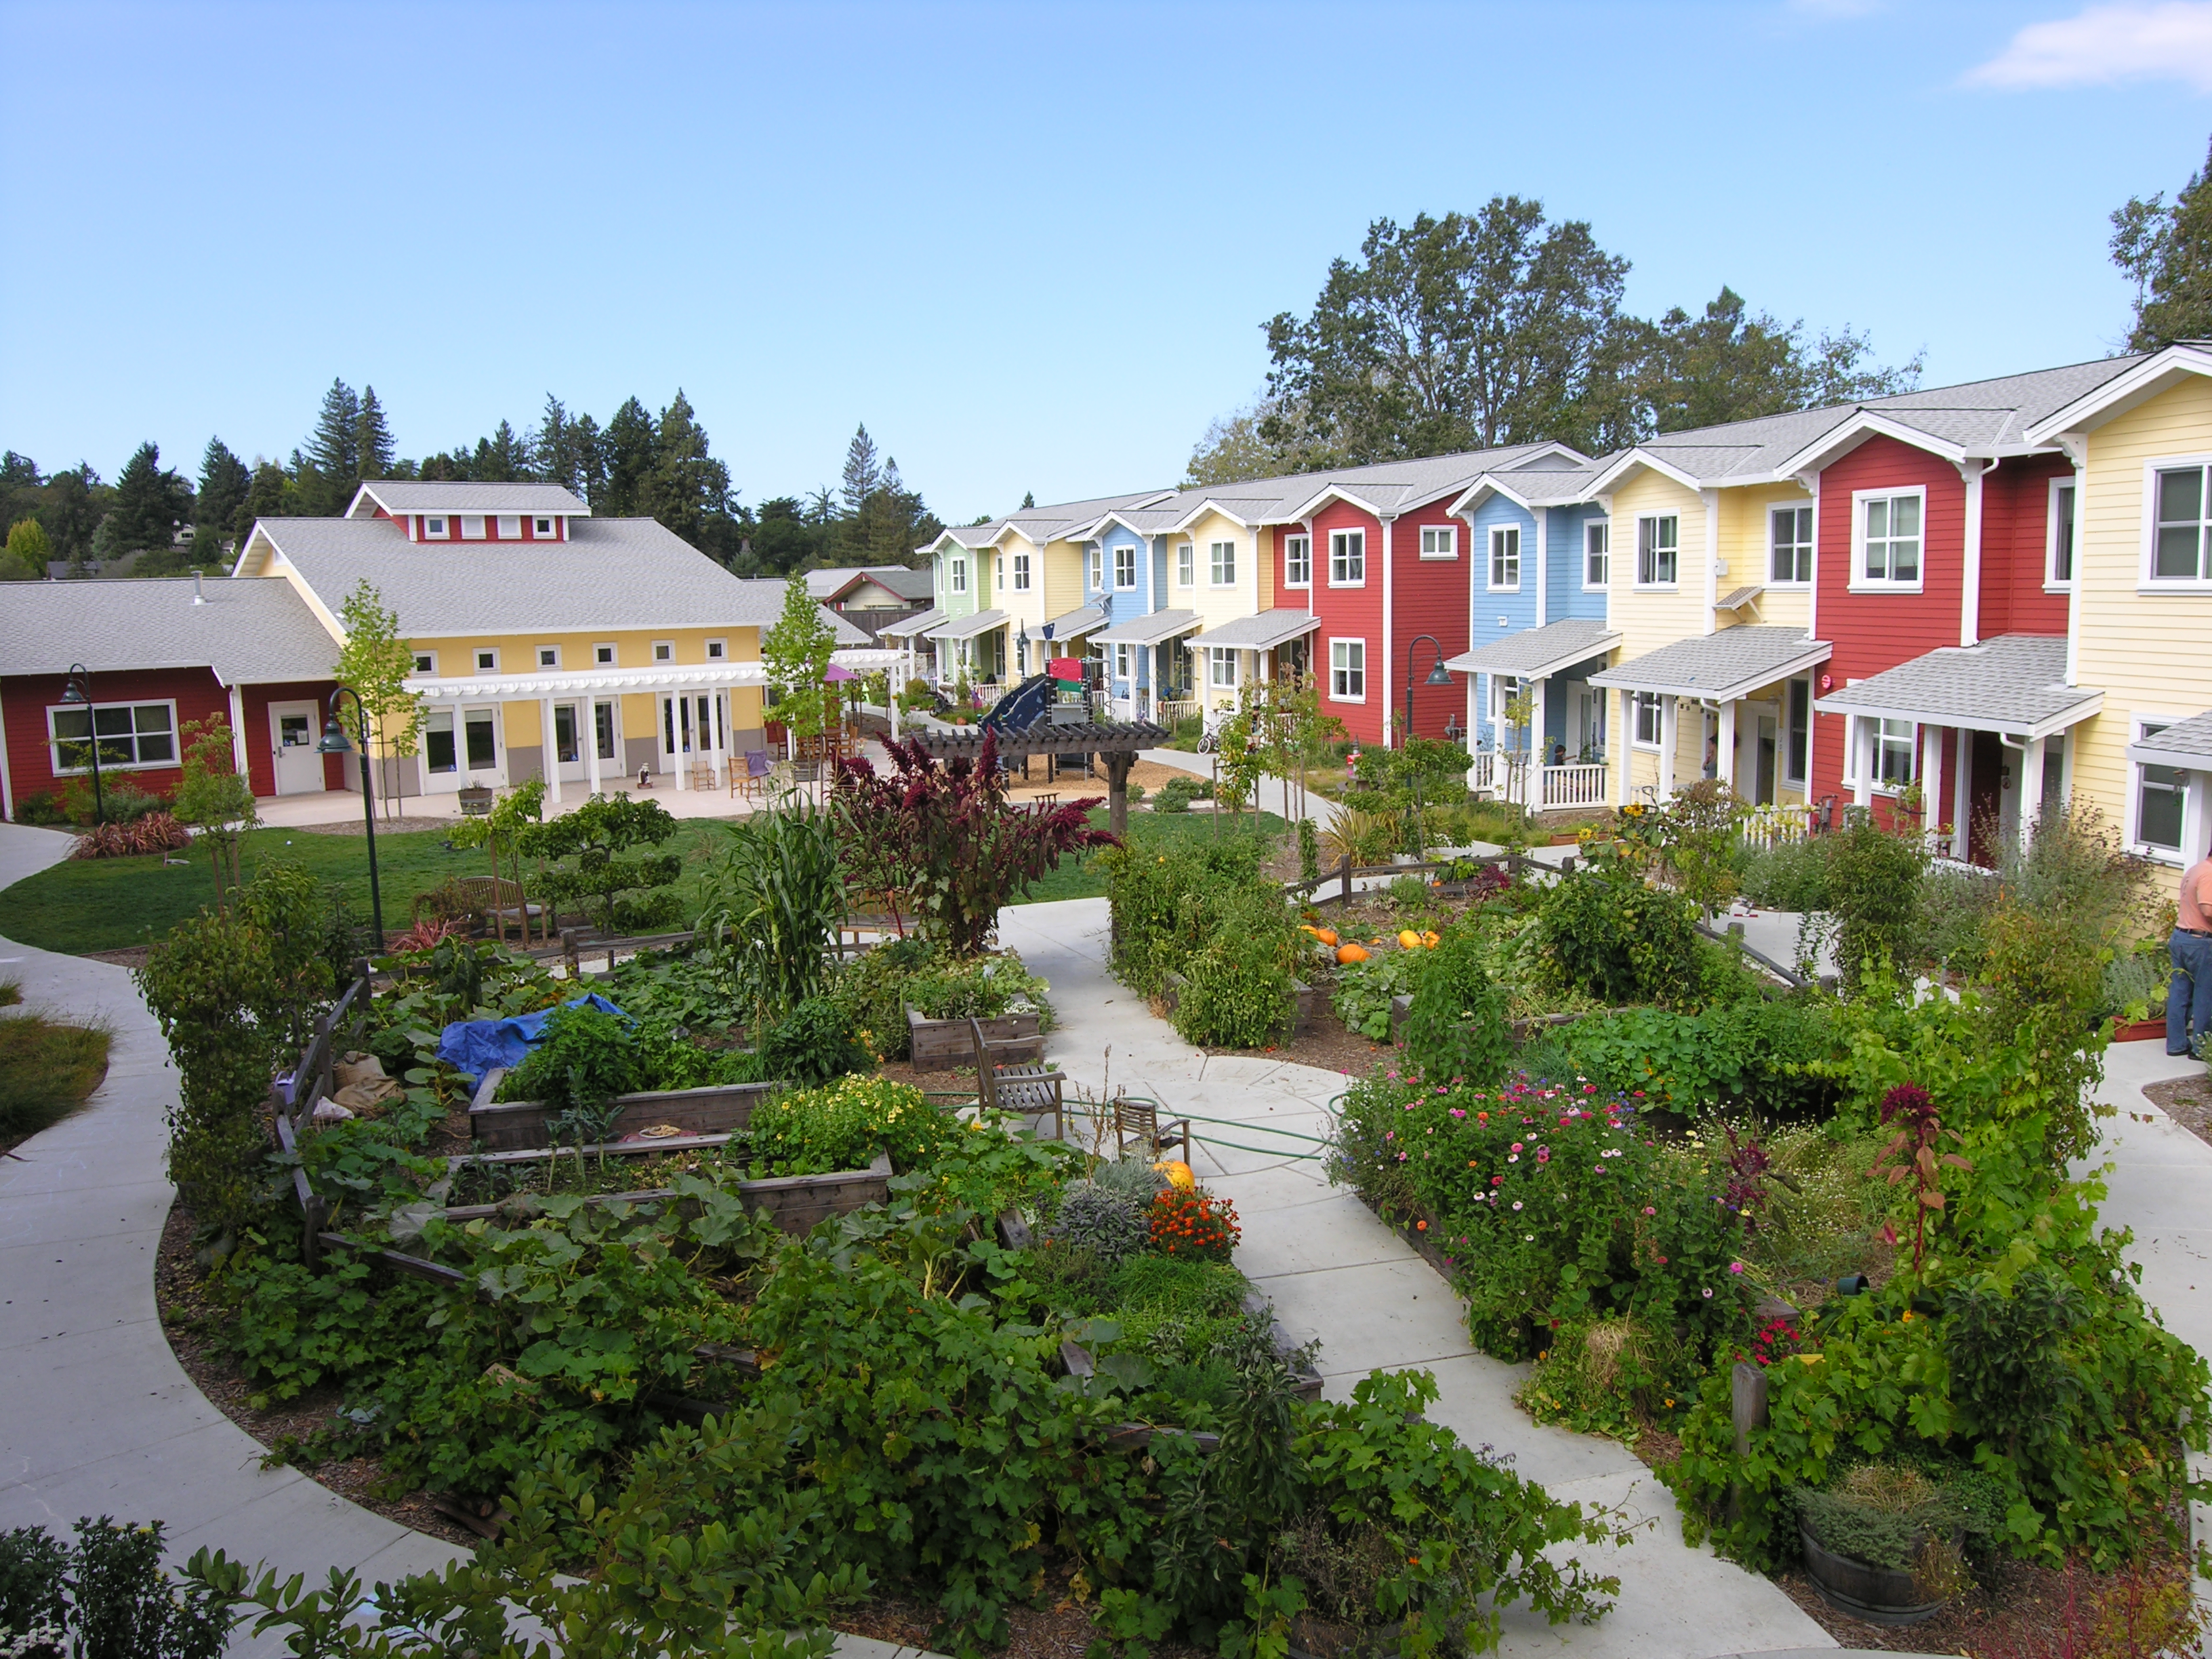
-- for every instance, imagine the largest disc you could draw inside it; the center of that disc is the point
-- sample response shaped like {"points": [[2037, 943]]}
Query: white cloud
{"points": [[2168, 41]]}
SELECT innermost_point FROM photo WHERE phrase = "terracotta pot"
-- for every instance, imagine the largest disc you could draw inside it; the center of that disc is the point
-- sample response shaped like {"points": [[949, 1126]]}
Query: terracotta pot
{"points": [[1880, 1595], [2142, 1031]]}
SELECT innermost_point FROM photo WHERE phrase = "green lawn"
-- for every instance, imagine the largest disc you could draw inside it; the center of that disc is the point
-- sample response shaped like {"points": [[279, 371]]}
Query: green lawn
{"points": [[1077, 879], [111, 904]]}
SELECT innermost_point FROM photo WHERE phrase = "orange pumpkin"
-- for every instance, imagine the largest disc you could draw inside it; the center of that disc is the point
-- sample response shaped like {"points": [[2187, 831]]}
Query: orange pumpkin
{"points": [[1408, 939], [1326, 935], [1351, 953], [1429, 940], [1178, 1173]]}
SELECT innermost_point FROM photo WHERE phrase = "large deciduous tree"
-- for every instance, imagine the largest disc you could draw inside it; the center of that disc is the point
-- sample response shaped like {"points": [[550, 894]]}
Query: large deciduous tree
{"points": [[1732, 364], [2166, 249]]}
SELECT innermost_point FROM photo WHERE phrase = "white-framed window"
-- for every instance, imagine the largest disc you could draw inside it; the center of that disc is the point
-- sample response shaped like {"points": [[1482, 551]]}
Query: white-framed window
{"points": [[549, 656], [1221, 666], [131, 735], [434, 527], [426, 663], [1650, 720], [2161, 800], [472, 526], [1298, 561], [1096, 560], [544, 530], [1895, 752], [1797, 748], [510, 526], [1888, 526], [2180, 507], [1124, 565], [1658, 550], [958, 577], [1439, 541], [1790, 544], [1185, 565], [1000, 573], [1021, 573], [603, 654], [1347, 665], [487, 659], [1124, 663], [1505, 559], [439, 755], [1347, 561], [717, 650], [1503, 688], [1597, 544], [1221, 564], [664, 651], [2058, 536]]}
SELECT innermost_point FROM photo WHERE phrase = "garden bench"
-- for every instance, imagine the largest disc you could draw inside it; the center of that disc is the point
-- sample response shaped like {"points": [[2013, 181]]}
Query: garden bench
{"points": [[1029, 1090], [1139, 1120]]}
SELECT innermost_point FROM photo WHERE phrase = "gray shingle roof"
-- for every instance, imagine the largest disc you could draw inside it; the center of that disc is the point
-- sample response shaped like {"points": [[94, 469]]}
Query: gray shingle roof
{"points": [[398, 496], [906, 582], [1724, 665], [2014, 683], [609, 573], [919, 622], [971, 626], [1076, 623], [1261, 632], [1152, 628], [250, 630], [2185, 744], [1538, 653]]}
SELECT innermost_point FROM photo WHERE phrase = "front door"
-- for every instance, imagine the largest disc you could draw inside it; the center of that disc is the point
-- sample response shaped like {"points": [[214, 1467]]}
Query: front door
{"points": [[566, 745], [292, 738], [1990, 797], [1769, 752]]}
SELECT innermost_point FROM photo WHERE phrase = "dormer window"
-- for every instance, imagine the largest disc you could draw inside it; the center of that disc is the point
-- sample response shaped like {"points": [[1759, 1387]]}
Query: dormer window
{"points": [[487, 659], [510, 526], [603, 656], [543, 530], [426, 662], [472, 526], [434, 527]]}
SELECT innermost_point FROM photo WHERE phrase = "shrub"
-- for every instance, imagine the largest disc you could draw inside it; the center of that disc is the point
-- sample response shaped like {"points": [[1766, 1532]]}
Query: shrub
{"points": [[46, 1070], [1609, 934], [1193, 1224], [1873, 889], [1169, 905], [622, 893], [1887, 1515], [812, 1043], [1791, 875], [43, 811], [105, 1596], [845, 1124], [1608, 1375], [150, 832], [1759, 1056], [1237, 990], [1457, 1028], [1107, 1222], [1698, 833], [120, 801], [1132, 1177], [870, 989], [585, 1060], [1365, 989], [1366, 837], [1178, 792]]}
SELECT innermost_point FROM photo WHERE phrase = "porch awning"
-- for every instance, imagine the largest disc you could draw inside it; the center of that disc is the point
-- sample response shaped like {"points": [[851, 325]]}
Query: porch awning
{"points": [[969, 627], [1076, 623], [1264, 632], [921, 623], [603, 681], [1538, 654], [2014, 684], [1157, 629], [1723, 666], [2186, 745]]}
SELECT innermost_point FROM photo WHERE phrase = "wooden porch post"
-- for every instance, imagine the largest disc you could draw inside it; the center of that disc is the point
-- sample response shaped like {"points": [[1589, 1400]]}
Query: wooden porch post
{"points": [[1117, 791]]}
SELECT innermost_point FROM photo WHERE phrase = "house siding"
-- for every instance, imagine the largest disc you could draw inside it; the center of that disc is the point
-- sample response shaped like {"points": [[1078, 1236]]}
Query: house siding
{"points": [[1746, 547], [1431, 598], [1647, 619], [1351, 613], [260, 742], [25, 699], [2015, 528]]}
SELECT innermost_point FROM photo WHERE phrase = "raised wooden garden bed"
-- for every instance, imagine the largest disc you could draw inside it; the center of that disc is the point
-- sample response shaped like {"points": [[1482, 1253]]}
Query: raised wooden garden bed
{"points": [[939, 1045], [715, 1109], [796, 1202]]}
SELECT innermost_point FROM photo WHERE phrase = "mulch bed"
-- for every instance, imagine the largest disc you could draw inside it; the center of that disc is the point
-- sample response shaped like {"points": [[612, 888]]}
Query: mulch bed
{"points": [[1327, 1043], [132, 956], [2187, 1101], [355, 827]]}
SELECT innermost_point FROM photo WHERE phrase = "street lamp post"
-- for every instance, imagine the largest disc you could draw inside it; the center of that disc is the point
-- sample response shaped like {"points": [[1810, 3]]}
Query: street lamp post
{"points": [[335, 742], [76, 688], [1438, 674]]}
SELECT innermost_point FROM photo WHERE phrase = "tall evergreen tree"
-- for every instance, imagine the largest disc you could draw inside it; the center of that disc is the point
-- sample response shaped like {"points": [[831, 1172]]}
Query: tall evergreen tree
{"points": [[2167, 251], [863, 474], [1029, 501], [150, 502], [75, 500], [373, 454], [628, 452], [333, 454], [687, 488], [503, 458], [224, 482], [566, 450]]}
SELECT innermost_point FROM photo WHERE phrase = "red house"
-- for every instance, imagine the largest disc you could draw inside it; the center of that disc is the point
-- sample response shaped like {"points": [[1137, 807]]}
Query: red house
{"points": [[158, 654]]}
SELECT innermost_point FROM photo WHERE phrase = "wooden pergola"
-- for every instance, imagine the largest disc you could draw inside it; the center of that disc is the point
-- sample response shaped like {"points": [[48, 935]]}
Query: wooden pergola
{"points": [[1118, 745]]}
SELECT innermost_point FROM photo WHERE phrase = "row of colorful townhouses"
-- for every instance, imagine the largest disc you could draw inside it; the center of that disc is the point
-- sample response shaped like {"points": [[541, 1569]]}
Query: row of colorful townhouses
{"points": [[1963, 604], [546, 644]]}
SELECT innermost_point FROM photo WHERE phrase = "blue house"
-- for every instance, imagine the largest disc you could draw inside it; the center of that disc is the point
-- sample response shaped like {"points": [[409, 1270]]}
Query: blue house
{"points": [[1126, 572], [1537, 615]]}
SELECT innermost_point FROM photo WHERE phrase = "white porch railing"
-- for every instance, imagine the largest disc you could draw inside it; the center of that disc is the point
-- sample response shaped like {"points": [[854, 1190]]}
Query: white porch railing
{"points": [[1508, 776], [1169, 710], [1769, 825], [1579, 783]]}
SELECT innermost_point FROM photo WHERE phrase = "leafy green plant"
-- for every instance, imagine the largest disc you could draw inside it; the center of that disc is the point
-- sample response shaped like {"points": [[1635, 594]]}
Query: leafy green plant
{"points": [[1610, 1375], [1873, 889], [1365, 990], [1308, 851], [1610, 934], [587, 1059], [871, 988], [1106, 1222], [843, 1125], [812, 1043], [1237, 990], [107, 1595], [773, 905], [1760, 1055], [623, 891], [1169, 905], [1698, 838], [1457, 1028], [980, 987]]}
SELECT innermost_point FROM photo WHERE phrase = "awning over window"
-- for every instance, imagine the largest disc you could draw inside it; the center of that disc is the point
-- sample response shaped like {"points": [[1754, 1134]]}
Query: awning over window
{"points": [[1723, 666], [2014, 684], [1537, 653], [1157, 629], [968, 627], [1265, 632], [2186, 745]]}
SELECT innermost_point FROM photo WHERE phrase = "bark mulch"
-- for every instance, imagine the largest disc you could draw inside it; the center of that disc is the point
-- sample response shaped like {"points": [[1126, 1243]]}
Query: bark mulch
{"points": [[2187, 1101]]}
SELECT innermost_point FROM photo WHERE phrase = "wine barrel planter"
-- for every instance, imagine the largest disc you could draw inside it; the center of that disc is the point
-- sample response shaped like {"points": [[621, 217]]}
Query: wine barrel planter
{"points": [[1880, 1595], [717, 1109], [939, 1045]]}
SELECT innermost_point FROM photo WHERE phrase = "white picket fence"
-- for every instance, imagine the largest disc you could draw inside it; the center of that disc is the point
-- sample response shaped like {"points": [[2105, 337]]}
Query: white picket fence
{"points": [[1510, 776]]}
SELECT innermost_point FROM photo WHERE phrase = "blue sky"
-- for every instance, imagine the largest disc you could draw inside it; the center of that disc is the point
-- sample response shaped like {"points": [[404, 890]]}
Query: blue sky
{"points": [[1031, 245]]}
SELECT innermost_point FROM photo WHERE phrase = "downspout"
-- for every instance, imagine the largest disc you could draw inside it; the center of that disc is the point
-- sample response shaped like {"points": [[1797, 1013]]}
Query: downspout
{"points": [[7, 780], [238, 736], [1711, 498], [1970, 595], [1389, 572]]}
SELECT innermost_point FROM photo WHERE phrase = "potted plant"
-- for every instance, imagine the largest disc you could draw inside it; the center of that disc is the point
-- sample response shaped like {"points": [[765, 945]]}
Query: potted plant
{"points": [[1886, 1542]]}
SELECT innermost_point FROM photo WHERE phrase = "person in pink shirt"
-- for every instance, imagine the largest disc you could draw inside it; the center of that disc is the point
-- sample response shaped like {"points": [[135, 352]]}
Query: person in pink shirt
{"points": [[2189, 992]]}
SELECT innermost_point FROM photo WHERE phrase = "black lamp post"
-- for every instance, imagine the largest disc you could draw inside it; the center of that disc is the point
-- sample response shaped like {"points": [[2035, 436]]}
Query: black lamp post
{"points": [[335, 742], [76, 688], [1438, 674]]}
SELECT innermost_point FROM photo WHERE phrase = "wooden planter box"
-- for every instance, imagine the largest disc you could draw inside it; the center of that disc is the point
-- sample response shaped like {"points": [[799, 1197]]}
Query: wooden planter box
{"points": [[717, 1109], [796, 1202], [939, 1045]]}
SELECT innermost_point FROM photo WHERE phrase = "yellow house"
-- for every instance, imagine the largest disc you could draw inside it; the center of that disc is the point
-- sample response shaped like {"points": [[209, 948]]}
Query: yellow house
{"points": [[2142, 611], [547, 643]]}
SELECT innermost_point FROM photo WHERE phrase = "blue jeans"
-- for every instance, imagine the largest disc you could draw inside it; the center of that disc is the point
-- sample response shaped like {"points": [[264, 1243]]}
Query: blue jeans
{"points": [[2189, 994]]}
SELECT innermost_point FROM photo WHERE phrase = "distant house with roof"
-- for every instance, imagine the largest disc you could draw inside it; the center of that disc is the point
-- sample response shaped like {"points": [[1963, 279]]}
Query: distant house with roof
{"points": [[869, 596]]}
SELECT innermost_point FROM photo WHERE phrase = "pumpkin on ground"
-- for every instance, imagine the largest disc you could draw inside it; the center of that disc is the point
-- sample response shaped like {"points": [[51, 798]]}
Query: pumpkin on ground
{"points": [[1408, 939], [1326, 935], [1178, 1173], [1351, 953]]}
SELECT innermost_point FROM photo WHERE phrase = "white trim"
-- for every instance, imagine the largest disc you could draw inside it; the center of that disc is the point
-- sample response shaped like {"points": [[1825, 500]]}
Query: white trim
{"points": [[2074, 591], [1970, 562], [1389, 637], [1215, 579], [717, 650], [437, 526], [1710, 499], [477, 534], [1860, 583], [1094, 568], [1543, 518], [2146, 582], [53, 743], [544, 527], [502, 521], [2053, 583], [238, 763], [664, 651], [2131, 821], [1306, 538], [1334, 695], [1021, 584], [7, 780], [1361, 580], [1792, 584], [1862, 736], [1834, 444], [1812, 593], [537, 656], [955, 577], [1600, 522], [1497, 533], [477, 658], [431, 670], [612, 659], [1448, 531], [1674, 583], [2134, 385], [1633, 725], [1131, 549], [1610, 480]]}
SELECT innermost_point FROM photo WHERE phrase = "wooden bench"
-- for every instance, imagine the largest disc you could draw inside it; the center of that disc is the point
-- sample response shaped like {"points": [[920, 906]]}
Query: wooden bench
{"points": [[1139, 1120], [1027, 1089]]}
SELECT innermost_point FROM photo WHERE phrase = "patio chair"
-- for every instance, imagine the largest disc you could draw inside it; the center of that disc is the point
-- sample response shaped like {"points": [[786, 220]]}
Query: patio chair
{"points": [[751, 779], [1028, 1090], [500, 904], [1139, 1120]]}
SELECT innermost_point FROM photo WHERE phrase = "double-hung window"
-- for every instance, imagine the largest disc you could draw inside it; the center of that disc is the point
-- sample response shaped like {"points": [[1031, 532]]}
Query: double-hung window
{"points": [[1790, 541], [2182, 550], [1889, 538], [1096, 560], [1650, 719], [1185, 565], [128, 734], [1124, 565], [1439, 541], [959, 575], [1122, 665], [1798, 752], [1505, 559], [1891, 746], [1597, 544], [1347, 559], [1503, 689], [2058, 568], [1021, 573], [1298, 561], [2161, 794], [1658, 550], [1000, 573], [1221, 666], [1347, 669], [1221, 563]]}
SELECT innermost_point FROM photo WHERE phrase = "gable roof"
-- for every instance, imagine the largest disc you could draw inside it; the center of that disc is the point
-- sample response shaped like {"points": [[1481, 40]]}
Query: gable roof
{"points": [[609, 573], [249, 631], [2140, 379], [1538, 654], [901, 579], [399, 496]]}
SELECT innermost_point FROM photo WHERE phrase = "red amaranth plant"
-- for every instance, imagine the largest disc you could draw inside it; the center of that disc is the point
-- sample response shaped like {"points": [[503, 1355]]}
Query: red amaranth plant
{"points": [[1919, 1132]]}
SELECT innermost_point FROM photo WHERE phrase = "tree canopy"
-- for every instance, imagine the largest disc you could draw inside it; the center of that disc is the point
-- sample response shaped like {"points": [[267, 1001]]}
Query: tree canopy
{"points": [[2166, 249]]}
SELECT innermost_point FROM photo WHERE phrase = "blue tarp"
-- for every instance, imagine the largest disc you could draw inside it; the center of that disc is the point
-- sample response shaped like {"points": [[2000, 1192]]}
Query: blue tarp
{"points": [[473, 1047]]}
